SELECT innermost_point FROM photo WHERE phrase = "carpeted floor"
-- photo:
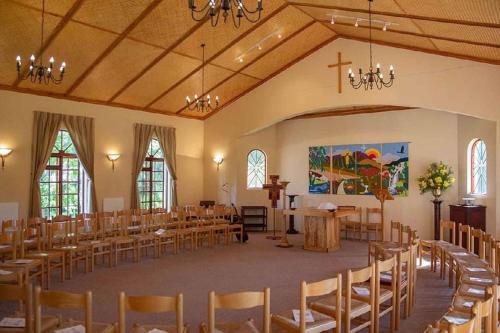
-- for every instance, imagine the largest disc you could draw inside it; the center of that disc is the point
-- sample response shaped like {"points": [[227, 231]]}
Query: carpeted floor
{"points": [[250, 266]]}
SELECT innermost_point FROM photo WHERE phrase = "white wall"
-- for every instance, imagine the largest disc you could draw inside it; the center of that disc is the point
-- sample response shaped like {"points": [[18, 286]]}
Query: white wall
{"points": [[113, 133], [470, 128]]}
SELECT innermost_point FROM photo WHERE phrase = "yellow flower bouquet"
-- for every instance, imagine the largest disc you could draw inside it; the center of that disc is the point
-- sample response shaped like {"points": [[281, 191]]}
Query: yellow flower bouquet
{"points": [[438, 178]]}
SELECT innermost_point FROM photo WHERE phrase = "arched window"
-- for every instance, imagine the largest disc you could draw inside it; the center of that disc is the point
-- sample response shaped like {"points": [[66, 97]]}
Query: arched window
{"points": [[477, 177], [154, 179], [64, 185], [256, 169]]}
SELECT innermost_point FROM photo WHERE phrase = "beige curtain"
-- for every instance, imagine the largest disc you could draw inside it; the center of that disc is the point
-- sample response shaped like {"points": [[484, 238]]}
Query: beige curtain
{"points": [[81, 130], [166, 137], [45, 128], [142, 137]]}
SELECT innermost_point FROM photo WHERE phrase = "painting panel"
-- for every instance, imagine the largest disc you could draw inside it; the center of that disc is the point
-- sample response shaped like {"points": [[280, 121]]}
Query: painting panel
{"points": [[344, 174], [320, 169], [368, 168], [395, 168]]}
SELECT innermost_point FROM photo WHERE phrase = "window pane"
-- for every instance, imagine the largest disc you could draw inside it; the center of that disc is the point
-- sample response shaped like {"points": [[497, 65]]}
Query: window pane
{"points": [[256, 169], [158, 176], [158, 166], [479, 176], [158, 186]]}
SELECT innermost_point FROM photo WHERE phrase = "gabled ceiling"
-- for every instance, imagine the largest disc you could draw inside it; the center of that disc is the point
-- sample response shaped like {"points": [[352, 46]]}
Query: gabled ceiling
{"points": [[146, 55]]}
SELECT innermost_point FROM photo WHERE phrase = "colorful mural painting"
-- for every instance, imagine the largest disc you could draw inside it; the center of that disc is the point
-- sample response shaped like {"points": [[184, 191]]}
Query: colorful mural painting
{"points": [[359, 169], [320, 169]]}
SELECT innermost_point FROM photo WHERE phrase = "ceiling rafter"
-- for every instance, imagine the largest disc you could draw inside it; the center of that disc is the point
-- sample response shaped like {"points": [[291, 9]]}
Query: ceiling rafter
{"points": [[409, 33], [337, 112], [269, 77], [158, 59], [224, 49], [419, 49], [392, 14], [260, 56], [60, 26], [113, 45], [90, 101]]}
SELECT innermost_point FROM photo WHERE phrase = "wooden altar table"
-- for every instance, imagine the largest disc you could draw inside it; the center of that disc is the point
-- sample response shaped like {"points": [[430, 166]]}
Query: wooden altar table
{"points": [[321, 227]]}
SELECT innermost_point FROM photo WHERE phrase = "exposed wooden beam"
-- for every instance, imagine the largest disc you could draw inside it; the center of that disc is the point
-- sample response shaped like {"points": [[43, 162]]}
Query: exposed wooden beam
{"points": [[269, 77], [91, 101], [424, 35], [352, 111], [113, 45], [392, 14], [260, 56], [224, 49], [419, 49], [158, 59], [59, 27]]}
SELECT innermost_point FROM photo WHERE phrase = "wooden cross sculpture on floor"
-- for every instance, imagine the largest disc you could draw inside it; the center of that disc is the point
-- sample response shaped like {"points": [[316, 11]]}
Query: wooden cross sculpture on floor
{"points": [[274, 195], [339, 64]]}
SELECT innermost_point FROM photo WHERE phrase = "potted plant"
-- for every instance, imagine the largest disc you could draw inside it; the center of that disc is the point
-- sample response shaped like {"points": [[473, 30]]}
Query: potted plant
{"points": [[438, 178]]}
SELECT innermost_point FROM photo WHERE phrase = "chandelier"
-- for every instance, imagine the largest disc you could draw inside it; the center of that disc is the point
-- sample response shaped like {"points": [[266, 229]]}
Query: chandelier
{"points": [[373, 77], [202, 103], [37, 71], [228, 8]]}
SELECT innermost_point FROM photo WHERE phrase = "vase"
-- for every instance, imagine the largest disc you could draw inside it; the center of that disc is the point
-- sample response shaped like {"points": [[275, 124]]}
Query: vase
{"points": [[436, 193]]}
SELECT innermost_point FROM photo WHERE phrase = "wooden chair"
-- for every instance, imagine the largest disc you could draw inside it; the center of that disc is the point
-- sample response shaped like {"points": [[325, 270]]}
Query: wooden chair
{"points": [[354, 305], [74, 253], [406, 236], [321, 322], [164, 239], [464, 234], [404, 284], [489, 249], [63, 300], [151, 304], [385, 295], [477, 242], [98, 248], [396, 236], [446, 233], [8, 245], [467, 327], [144, 240], [373, 224], [352, 223], [234, 230], [21, 293], [123, 244], [237, 301]]}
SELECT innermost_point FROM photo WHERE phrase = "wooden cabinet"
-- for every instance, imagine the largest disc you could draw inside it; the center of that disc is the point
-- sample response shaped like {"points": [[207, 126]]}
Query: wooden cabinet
{"points": [[254, 216], [475, 216]]}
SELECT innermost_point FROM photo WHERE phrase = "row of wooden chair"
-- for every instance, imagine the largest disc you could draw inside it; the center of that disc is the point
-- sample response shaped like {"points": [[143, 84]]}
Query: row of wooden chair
{"points": [[457, 242], [63, 245], [353, 224]]}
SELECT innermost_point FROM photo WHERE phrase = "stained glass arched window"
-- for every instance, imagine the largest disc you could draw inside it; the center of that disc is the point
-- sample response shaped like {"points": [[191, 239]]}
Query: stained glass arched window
{"points": [[477, 175], [256, 169]]}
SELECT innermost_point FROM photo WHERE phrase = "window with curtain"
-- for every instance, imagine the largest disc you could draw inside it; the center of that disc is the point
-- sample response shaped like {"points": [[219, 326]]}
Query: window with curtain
{"points": [[256, 169], [154, 179], [477, 173], [64, 185]]}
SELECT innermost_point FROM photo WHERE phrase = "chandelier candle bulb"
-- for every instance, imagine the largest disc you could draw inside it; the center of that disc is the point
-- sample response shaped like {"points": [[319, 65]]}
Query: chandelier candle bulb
{"points": [[32, 58], [213, 9]]}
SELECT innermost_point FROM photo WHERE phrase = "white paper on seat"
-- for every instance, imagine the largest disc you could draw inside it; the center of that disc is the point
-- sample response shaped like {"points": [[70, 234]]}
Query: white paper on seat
{"points": [[23, 261], [462, 254], [12, 322], [72, 329], [455, 320], [468, 304], [155, 330], [476, 279], [476, 269], [159, 232], [362, 291], [475, 291], [308, 316], [2, 272], [4, 246]]}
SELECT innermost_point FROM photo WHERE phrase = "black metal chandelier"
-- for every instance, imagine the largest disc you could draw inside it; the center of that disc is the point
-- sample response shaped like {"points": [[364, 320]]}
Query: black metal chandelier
{"points": [[37, 72], [235, 9], [202, 103], [373, 77]]}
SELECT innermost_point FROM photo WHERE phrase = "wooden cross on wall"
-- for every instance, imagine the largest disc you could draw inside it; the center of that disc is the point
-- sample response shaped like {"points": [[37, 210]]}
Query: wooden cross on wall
{"points": [[274, 190], [339, 64]]}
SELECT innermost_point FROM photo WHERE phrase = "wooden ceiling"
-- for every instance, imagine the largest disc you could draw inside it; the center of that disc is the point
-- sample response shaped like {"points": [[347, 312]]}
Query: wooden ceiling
{"points": [[146, 55]]}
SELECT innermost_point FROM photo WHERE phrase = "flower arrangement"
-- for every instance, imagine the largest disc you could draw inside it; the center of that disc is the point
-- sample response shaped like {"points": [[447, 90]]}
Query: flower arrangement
{"points": [[438, 178]]}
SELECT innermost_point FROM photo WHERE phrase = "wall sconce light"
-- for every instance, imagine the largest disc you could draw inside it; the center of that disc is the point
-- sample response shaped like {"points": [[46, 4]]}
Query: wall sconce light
{"points": [[113, 158], [218, 159], [4, 152]]}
